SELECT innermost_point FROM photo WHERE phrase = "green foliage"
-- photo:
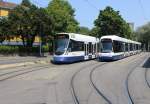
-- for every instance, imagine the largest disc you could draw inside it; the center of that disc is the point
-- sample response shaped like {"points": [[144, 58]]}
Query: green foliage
{"points": [[26, 3], [45, 48], [62, 15], [110, 22], [5, 30], [29, 21], [5, 50], [143, 33], [8, 49], [84, 30], [96, 31]]}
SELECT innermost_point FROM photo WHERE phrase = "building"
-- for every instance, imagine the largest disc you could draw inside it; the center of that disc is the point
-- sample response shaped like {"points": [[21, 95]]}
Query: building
{"points": [[5, 8]]}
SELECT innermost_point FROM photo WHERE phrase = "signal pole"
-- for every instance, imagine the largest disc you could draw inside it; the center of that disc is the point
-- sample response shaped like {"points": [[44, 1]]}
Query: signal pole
{"points": [[148, 46], [40, 43]]}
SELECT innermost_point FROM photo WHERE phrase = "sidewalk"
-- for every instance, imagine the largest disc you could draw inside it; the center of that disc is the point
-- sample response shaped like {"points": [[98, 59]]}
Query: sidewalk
{"points": [[16, 61]]}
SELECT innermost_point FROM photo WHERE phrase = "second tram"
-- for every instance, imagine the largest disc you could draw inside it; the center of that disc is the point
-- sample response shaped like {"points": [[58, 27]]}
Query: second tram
{"points": [[114, 47]]}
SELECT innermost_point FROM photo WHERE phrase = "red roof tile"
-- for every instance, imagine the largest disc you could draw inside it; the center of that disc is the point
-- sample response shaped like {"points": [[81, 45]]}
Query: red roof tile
{"points": [[7, 5]]}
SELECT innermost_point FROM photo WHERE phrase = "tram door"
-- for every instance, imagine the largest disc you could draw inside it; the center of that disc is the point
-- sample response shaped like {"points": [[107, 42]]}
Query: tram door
{"points": [[86, 57], [90, 50], [94, 50]]}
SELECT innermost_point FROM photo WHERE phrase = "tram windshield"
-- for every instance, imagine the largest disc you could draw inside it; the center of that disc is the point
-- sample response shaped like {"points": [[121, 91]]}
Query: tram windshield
{"points": [[106, 45], [61, 43]]}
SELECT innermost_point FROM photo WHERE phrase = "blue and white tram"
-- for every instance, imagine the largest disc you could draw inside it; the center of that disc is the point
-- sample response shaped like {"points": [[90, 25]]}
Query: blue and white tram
{"points": [[71, 47], [115, 48]]}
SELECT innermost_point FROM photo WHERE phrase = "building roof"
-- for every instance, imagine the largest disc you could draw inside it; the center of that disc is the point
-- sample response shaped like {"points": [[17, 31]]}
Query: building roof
{"points": [[7, 5]]}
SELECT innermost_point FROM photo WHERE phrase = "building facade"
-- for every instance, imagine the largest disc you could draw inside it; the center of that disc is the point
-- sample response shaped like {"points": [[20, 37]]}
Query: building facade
{"points": [[5, 8]]}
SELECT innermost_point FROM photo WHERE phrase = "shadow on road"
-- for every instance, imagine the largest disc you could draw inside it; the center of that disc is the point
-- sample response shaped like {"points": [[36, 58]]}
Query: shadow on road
{"points": [[147, 63]]}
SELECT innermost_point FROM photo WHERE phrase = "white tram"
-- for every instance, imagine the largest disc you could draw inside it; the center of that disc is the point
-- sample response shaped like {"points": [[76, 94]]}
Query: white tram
{"points": [[115, 48], [71, 47]]}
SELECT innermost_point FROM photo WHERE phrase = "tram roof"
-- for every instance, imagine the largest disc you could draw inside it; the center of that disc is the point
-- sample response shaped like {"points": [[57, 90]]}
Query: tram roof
{"points": [[114, 37], [82, 38]]}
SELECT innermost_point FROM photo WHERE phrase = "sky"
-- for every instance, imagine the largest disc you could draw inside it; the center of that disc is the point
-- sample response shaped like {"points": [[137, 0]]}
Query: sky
{"points": [[86, 11]]}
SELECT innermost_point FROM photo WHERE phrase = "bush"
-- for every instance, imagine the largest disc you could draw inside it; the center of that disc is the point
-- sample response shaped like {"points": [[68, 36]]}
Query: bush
{"points": [[9, 49], [45, 48], [6, 50]]}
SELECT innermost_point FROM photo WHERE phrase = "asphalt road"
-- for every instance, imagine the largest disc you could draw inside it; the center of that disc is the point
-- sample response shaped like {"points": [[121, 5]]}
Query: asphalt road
{"points": [[126, 81]]}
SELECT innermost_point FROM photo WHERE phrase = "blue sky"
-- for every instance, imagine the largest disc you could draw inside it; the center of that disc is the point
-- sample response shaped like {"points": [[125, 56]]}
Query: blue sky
{"points": [[86, 11]]}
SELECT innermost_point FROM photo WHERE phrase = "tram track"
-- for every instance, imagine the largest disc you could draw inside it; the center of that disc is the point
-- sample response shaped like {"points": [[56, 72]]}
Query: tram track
{"points": [[98, 90], [95, 87], [131, 100], [76, 99], [146, 77], [146, 66], [12, 74]]}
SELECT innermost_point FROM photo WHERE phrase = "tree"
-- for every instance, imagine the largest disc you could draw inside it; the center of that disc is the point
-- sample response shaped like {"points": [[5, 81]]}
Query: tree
{"points": [[96, 31], [110, 22], [62, 14], [5, 30], [29, 21], [143, 34], [26, 3], [84, 30]]}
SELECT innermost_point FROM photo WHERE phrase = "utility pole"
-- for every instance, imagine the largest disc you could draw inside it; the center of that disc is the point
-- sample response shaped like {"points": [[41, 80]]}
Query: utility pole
{"points": [[148, 46], [40, 41]]}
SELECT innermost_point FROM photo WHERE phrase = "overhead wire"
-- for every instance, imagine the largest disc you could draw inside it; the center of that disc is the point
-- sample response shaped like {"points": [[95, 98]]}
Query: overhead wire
{"points": [[143, 10], [92, 5]]}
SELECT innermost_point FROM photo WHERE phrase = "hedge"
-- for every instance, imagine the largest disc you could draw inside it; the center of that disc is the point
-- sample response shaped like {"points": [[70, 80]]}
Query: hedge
{"points": [[6, 50]]}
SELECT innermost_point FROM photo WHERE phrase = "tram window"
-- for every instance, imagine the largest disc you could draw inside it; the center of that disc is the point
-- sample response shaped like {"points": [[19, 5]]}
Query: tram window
{"points": [[126, 46], [118, 46], [60, 43], [60, 46], [85, 50], [140, 47], [131, 47], [95, 48], [106, 46], [75, 46], [136, 46], [90, 47]]}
